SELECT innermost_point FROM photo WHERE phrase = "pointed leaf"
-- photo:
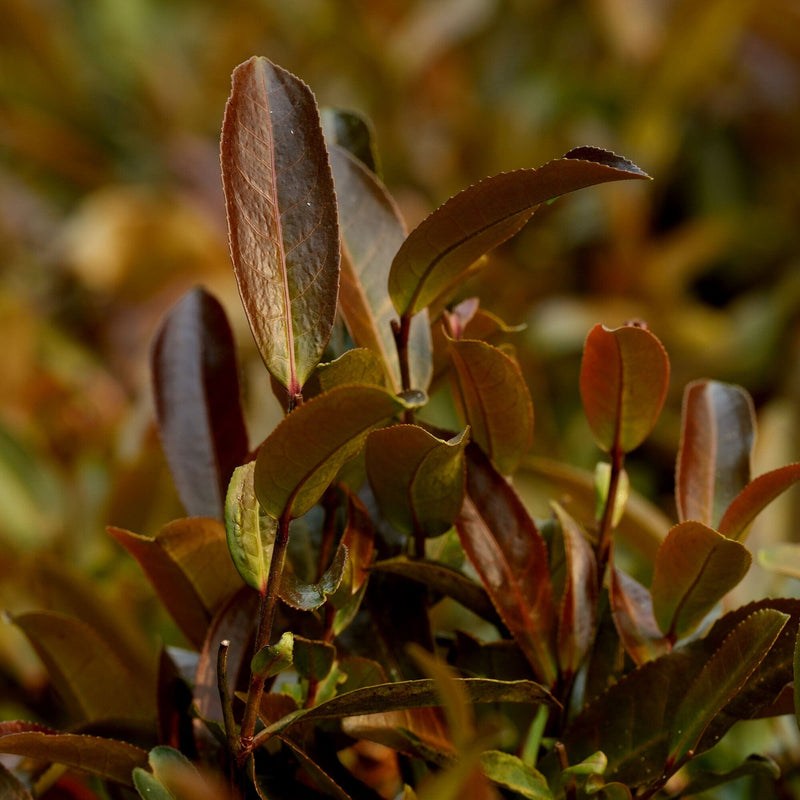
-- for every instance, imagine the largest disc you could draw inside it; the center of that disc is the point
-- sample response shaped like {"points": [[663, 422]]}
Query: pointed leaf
{"points": [[301, 457], [513, 774], [197, 401], [310, 596], [352, 132], [624, 378], [274, 658], [316, 772], [718, 430], [417, 479], [508, 552], [479, 218], [754, 498], [282, 217], [695, 568]]}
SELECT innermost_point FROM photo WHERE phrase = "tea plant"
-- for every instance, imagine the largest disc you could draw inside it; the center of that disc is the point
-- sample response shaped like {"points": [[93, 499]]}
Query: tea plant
{"points": [[308, 577]]}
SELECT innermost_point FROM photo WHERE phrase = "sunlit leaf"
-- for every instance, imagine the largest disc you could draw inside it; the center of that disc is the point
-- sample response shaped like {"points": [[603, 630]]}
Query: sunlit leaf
{"points": [[197, 401], [353, 366], [754, 765], [352, 132], [479, 218], [282, 217], [713, 466], [310, 596], [300, 458], [595, 764], [695, 568], [624, 378], [513, 774]]}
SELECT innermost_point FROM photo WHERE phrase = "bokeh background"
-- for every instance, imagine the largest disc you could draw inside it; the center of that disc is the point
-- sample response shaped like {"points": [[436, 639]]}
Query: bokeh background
{"points": [[111, 207]]}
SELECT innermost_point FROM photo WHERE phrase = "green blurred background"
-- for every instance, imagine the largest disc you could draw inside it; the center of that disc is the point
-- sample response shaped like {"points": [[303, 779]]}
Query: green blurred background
{"points": [[111, 207]]}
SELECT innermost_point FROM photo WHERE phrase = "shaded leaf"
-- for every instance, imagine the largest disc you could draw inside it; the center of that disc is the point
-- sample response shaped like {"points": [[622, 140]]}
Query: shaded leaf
{"points": [[479, 218], [623, 382], [495, 401], [754, 765], [198, 409], [11, 788], [417, 479], [300, 458], [596, 786], [310, 596], [150, 787], [316, 772], [353, 366], [282, 217], [783, 559], [796, 676], [353, 132], [602, 484], [695, 568], [274, 658], [512, 773], [713, 466]]}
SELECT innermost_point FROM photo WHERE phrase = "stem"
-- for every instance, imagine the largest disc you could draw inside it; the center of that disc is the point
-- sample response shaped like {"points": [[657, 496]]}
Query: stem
{"points": [[402, 331], [606, 523], [225, 697]]}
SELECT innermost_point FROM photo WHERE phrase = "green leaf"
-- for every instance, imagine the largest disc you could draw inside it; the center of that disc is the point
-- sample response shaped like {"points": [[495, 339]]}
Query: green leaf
{"points": [[495, 401], [353, 366], [282, 218], [513, 774], [695, 568], [274, 658], [417, 479], [783, 559], [310, 596], [250, 531], [754, 498], [150, 787], [313, 659], [713, 466], [602, 483], [595, 764], [353, 132], [755, 765], [623, 382], [721, 679], [596, 786], [11, 788], [479, 218], [198, 410]]}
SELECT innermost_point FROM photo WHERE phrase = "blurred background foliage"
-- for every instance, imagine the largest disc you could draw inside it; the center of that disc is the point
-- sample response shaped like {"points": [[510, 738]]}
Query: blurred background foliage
{"points": [[111, 207]]}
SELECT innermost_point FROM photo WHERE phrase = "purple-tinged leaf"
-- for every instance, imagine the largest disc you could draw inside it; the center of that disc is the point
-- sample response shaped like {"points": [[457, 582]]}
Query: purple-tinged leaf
{"points": [[713, 466], [197, 401], [483, 216], [282, 217], [352, 132]]}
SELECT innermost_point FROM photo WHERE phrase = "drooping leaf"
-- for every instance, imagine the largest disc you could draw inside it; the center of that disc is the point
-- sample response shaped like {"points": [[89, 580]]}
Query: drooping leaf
{"points": [[274, 658], [479, 218], [695, 568], [372, 232], [756, 765], [754, 498], [301, 457], [352, 132], [513, 774], [722, 678], [11, 788], [197, 401], [250, 531], [282, 217], [106, 758], [495, 401], [713, 466], [417, 479], [310, 596], [508, 552], [623, 383]]}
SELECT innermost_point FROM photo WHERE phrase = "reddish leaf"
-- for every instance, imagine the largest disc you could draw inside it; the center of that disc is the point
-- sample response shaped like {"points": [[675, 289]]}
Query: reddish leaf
{"points": [[624, 378], [282, 218], [508, 552], [197, 401], [349, 130], [717, 436]]}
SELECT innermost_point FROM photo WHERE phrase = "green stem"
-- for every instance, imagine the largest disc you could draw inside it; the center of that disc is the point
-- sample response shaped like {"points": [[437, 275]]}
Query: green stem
{"points": [[607, 521]]}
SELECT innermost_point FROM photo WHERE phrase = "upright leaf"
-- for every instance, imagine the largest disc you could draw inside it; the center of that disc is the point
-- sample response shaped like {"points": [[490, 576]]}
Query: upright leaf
{"points": [[624, 378], [718, 430], [479, 218], [282, 218], [352, 132], [197, 401]]}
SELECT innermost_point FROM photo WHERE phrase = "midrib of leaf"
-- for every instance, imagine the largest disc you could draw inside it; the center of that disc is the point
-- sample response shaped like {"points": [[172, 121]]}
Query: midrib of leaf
{"points": [[484, 415], [688, 592]]}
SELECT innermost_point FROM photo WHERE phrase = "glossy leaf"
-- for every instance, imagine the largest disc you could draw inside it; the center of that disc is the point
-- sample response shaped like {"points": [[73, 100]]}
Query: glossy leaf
{"points": [[250, 531], [513, 774], [623, 383], [300, 458], [106, 758], [713, 466], [274, 658], [282, 218], [417, 479], [722, 678], [352, 132], [197, 401], [694, 569], [495, 401], [372, 232], [311, 596], [508, 552], [11, 788], [754, 498], [479, 218]]}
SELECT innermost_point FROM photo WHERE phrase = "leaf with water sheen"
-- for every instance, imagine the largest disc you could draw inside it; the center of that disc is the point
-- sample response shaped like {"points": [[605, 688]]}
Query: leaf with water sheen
{"points": [[623, 383], [198, 409], [301, 457], [282, 217], [695, 568], [481, 217], [713, 466]]}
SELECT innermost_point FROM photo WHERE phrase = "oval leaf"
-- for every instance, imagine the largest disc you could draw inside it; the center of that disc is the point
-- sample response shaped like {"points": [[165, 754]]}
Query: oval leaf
{"points": [[282, 217], [624, 378], [495, 401], [197, 402], [479, 218], [713, 466], [301, 457], [695, 568], [514, 774]]}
